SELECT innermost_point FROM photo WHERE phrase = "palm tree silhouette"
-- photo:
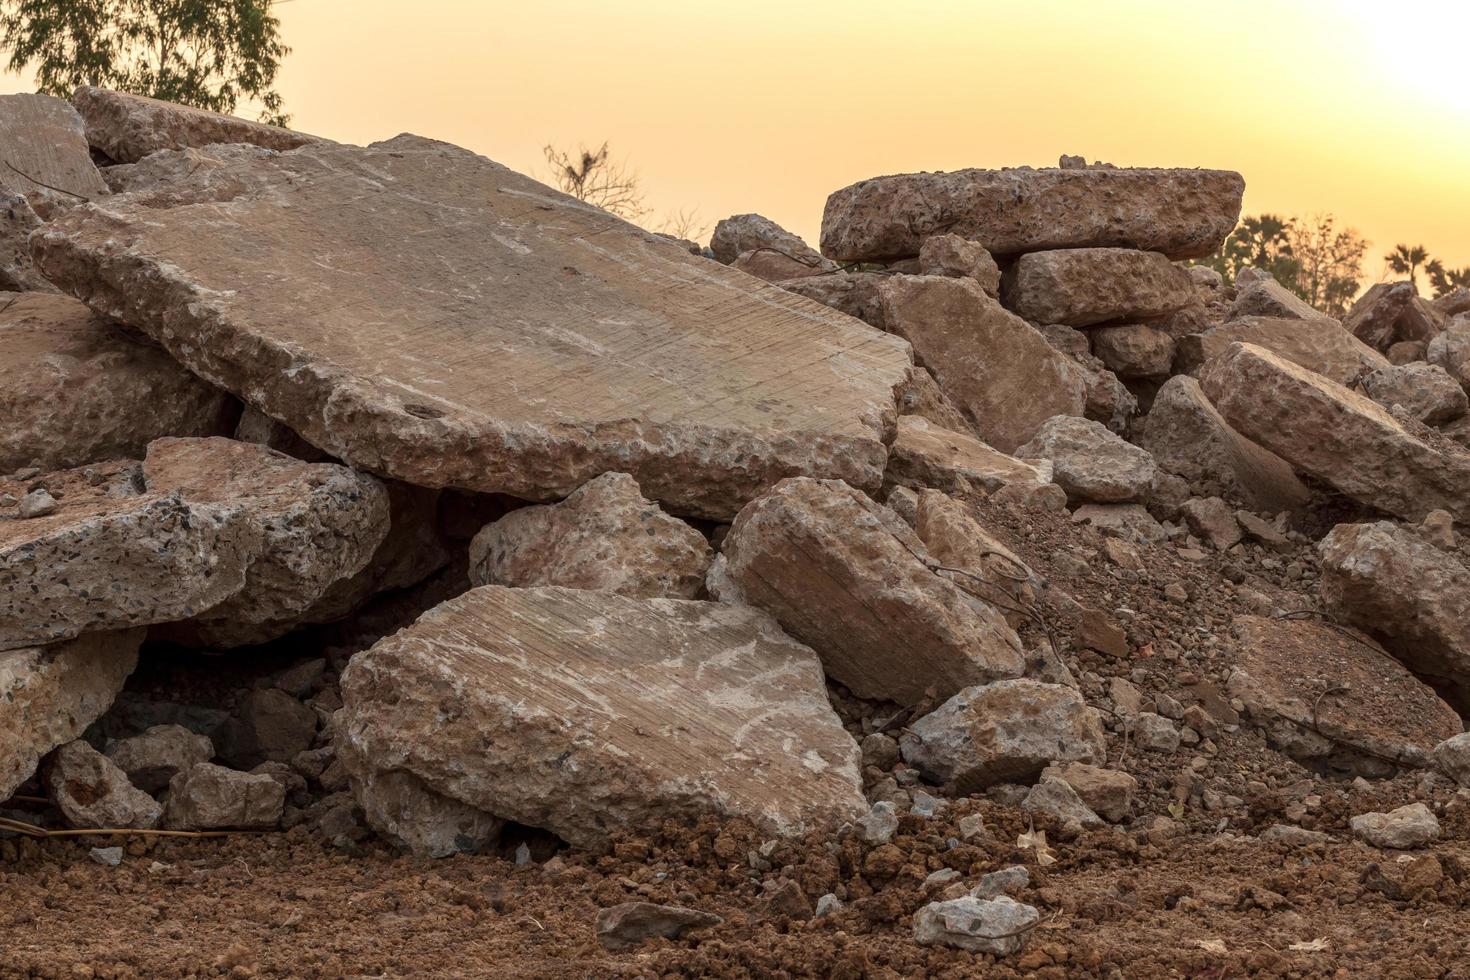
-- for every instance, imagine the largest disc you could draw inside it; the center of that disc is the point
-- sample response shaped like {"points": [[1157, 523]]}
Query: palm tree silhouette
{"points": [[1443, 280], [1407, 260]]}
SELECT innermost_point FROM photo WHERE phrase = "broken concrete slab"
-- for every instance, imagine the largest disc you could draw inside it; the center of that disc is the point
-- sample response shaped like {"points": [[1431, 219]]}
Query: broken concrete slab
{"points": [[1057, 799], [129, 127], [951, 255], [1127, 521], [1182, 213], [401, 807], [629, 924], [44, 155], [412, 549], [628, 353], [1426, 391], [189, 166], [1333, 699], [315, 525], [1397, 585], [17, 272], [1406, 828], [1083, 286], [49, 695], [920, 396], [92, 792], [772, 266], [956, 539], [1391, 312], [1187, 436], [853, 293], [925, 455], [1317, 344], [998, 926], [1008, 731], [1453, 303], [1451, 350], [605, 536], [1268, 298], [76, 389], [1212, 520], [236, 538], [1109, 792], [585, 713], [1090, 463], [741, 233], [155, 756], [211, 797], [995, 367], [850, 579], [1134, 350], [1383, 459]]}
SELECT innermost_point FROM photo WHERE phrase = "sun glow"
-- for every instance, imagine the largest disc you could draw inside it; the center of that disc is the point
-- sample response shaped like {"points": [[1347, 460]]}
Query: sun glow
{"points": [[1419, 47], [1352, 107]]}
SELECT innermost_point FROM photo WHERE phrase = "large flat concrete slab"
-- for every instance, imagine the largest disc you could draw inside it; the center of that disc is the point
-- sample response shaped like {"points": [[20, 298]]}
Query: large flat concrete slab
{"points": [[421, 312]]}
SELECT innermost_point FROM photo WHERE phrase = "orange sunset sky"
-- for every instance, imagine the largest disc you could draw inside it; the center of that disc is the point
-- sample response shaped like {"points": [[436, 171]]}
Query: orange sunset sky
{"points": [[1352, 107]]}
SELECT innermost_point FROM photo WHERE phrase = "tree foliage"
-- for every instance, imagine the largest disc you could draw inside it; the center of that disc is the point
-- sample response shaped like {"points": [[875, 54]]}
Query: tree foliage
{"points": [[684, 224], [1258, 242], [1407, 260], [206, 53], [593, 176], [1445, 280], [1329, 263], [1313, 257]]}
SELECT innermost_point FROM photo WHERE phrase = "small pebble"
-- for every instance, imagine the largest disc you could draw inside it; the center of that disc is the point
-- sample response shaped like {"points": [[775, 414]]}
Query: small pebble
{"points": [[110, 856], [37, 503]]}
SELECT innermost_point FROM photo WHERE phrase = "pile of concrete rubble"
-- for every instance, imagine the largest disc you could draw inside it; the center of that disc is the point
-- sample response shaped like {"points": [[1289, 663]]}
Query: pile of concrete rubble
{"points": [[654, 519]]}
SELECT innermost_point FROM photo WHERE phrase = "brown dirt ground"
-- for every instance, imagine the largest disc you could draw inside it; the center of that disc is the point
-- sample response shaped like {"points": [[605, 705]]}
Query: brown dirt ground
{"points": [[1115, 905]]}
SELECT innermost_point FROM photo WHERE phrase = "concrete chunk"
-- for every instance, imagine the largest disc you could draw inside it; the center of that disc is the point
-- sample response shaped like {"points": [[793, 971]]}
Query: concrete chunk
{"points": [[1182, 213], [605, 536], [76, 389], [531, 342], [49, 695], [999, 926], [91, 791], [995, 367], [1091, 463], [849, 578], [211, 797], [46, 157], [584, 713], [1083, 286], [1008, 731], [1382, 459], [1392, 312], [1396, 584], [925, 455], [1268, 298], [1332, 698], [236, 538], [1426, 391], [951, 255], [1317, 344], [741, 233], [129, 127], [1187, 436], [1406, 828]]}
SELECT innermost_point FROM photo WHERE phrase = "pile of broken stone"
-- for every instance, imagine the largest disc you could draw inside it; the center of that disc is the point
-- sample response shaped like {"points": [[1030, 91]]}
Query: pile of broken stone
{"points": [[662, 508]]}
